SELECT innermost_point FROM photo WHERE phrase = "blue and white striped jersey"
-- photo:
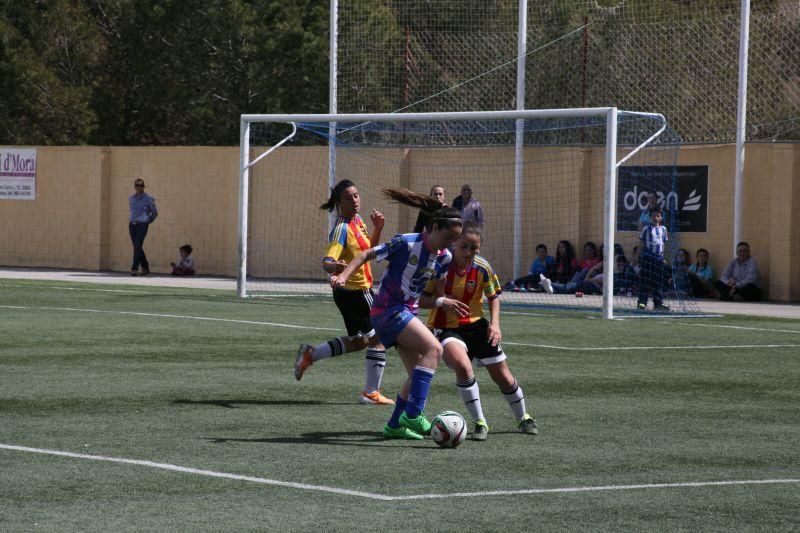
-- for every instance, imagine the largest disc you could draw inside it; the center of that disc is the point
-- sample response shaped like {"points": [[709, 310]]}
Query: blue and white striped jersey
{"points": [[410, 267], [653, 239]]}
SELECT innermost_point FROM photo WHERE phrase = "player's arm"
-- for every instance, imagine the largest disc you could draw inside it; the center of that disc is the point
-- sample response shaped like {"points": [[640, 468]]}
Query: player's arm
{"points": [[332, 262], [430, 300], [333, 266], [494, 325], [338, 280], [378, 221]]}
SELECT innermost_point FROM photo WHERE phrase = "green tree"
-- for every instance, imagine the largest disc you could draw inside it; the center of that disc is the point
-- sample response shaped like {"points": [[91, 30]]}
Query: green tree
{"points": [[49, 52], [182, 71]]}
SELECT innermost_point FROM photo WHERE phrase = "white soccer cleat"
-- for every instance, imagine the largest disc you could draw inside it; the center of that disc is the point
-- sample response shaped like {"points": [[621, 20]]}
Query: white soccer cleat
{"points": [[546, 284]]}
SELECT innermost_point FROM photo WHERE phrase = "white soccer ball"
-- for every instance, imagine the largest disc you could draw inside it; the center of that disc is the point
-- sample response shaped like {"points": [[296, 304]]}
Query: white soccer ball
{"points": [[448, 429]]}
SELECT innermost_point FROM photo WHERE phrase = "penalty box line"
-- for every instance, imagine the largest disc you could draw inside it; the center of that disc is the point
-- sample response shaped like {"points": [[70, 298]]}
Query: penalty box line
{"points": [[384, 497], [319, 328]]}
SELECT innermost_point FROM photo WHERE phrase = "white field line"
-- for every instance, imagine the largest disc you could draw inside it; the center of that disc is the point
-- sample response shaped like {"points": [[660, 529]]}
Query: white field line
{"points": [[619, 348], [76, 289], [749, 328], [187, 470], [383, 497], [260, 297], [294, 326], [159, 315]]}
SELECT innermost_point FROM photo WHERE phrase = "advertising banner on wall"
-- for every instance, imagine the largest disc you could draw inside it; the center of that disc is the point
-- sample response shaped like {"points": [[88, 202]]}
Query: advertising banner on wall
{"points": [[682, 193], [17, 173]]}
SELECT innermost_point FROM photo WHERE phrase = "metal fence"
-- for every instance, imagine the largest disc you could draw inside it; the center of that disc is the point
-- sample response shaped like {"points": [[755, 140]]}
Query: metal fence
{"points": [[675, 57]]}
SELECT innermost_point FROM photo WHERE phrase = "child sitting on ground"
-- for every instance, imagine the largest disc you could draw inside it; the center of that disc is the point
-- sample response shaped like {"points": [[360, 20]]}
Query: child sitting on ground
{"points": [[185, 265]]}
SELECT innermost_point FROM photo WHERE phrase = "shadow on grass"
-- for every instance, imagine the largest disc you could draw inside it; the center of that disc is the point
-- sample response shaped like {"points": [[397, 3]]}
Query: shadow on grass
{"points": [[340, 438], [233, 404]]}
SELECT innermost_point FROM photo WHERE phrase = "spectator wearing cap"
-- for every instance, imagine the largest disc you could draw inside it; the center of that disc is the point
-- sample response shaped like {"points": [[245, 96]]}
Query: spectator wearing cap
{"points": [[142, 213]]}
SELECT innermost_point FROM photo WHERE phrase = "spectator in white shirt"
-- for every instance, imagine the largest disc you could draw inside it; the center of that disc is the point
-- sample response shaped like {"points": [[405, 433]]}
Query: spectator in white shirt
{"points": [[740, 280], [185, 265]]}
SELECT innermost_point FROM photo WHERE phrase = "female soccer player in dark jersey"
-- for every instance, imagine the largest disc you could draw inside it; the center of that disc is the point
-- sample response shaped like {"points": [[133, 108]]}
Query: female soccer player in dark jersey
{"points": [[354, 299], [469, 337], [414, 258]]}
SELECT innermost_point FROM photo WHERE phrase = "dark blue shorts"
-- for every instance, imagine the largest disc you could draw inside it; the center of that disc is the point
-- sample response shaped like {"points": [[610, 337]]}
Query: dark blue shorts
{"points": [[390, 323]]}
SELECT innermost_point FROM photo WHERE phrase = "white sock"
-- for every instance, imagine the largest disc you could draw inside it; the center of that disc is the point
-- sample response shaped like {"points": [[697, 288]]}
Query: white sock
{"points": [[471, 396], [374, 364], [330, 348], [516, 401]]}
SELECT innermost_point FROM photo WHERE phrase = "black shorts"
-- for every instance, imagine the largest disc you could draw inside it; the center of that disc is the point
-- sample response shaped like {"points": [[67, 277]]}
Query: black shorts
{"points": [[475, 339], [354, 306]]}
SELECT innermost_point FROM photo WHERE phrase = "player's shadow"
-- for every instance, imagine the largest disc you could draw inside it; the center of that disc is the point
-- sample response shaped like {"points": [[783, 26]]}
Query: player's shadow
{"points": [[339, 438], [234, 404]]}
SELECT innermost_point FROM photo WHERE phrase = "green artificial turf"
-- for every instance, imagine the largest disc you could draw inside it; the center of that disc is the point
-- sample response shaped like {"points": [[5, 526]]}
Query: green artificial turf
{"points": [[142, 373]]}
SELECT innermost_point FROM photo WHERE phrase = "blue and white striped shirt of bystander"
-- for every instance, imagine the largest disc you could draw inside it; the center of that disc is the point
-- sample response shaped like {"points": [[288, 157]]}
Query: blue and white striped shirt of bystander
{"points": [[653, 239]]}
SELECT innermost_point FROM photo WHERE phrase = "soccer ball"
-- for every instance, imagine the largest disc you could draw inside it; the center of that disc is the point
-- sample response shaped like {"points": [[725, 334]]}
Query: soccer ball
{"points": [[448, 429]]}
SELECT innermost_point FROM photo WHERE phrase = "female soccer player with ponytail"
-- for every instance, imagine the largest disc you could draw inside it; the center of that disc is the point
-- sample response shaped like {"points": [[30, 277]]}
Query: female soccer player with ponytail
{"points": [[347, 240], [469, 336], [414, 258]]}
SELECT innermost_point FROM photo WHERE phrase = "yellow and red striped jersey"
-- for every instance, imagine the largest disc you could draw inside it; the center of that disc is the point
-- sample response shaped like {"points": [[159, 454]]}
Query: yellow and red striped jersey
{"points": [[348, 239], [469, 286]]}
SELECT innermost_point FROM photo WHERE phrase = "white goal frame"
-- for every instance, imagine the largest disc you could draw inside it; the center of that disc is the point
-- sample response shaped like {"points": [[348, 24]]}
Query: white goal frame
{"points": [[611, 164]]}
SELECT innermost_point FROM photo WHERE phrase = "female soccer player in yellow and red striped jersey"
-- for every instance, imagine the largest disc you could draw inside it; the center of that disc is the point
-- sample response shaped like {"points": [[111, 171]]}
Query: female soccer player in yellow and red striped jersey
{"points": [[469, 279], [347, 240]]}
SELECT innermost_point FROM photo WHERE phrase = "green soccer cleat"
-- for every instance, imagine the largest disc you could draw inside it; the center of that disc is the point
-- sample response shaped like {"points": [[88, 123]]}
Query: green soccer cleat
{"points": [[480, 431], [420, 425], [528, 425], [400, 433]]}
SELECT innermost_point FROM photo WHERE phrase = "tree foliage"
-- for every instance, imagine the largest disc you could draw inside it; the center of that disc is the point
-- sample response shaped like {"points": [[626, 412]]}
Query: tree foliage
{"points": [[166, 72], [172, 72]]}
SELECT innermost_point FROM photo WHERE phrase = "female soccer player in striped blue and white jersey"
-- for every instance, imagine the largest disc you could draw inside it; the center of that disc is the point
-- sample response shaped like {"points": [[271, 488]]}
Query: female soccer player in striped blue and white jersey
{"points": [[414, 258], [469, 337], [354, 299]]}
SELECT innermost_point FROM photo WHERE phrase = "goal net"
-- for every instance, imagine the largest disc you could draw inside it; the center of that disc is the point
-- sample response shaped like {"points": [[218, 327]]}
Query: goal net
{"points": [[579, 177]]}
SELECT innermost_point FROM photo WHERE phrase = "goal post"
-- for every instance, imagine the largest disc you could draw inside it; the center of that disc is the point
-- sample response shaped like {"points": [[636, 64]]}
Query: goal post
{"points": [[568, 153]]}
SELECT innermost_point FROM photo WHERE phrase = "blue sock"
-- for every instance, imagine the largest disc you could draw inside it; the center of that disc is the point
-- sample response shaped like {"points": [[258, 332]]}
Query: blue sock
{"points": [[418, 395], [399, 407]]}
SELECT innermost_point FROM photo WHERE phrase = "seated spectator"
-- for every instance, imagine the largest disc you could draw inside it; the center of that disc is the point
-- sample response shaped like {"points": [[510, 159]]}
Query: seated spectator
{"points": [[541, 266], [565, 265], [678, 283], [625, 279], [185, 265], [619, 253], [590, 259], [634, 268], [593, 282], [635, 260], [701, 275], [740, 280]]}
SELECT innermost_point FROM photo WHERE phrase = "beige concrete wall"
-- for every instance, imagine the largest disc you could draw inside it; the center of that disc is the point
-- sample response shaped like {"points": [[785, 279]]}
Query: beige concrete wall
{"points": [[771, 202], [79, 218]]}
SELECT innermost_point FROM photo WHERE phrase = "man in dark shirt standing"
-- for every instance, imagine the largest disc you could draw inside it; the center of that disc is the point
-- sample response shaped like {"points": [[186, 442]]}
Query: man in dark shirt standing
{"points": [[142, 213]]}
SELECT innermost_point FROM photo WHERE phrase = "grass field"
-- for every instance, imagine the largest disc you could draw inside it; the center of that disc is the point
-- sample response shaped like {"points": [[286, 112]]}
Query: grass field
{"points": [[645, 424]]}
